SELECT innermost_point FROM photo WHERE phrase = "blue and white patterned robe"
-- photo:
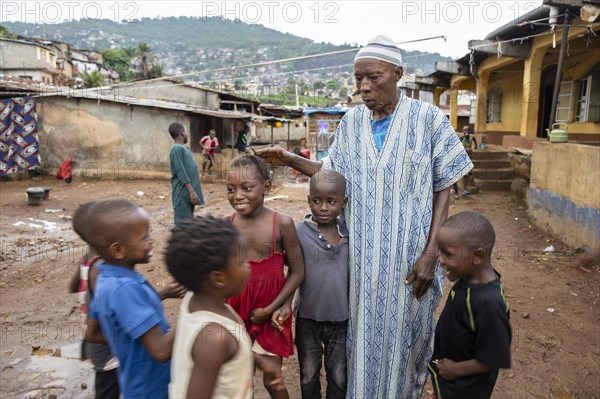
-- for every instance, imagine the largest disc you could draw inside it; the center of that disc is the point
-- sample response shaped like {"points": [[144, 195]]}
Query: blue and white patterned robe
{"points": [[389, 215]]}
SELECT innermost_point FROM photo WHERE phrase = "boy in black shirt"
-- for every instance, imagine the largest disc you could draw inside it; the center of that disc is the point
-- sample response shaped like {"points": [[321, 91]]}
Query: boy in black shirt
{"points": [[473, 336]]}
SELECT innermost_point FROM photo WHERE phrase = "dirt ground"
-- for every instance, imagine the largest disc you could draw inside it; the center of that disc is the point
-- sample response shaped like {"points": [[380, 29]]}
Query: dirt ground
{"points": [[554, 303]]}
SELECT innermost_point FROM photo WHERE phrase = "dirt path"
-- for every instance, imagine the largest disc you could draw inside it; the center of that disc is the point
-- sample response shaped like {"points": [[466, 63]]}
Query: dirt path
{"points": [[554, 304]]}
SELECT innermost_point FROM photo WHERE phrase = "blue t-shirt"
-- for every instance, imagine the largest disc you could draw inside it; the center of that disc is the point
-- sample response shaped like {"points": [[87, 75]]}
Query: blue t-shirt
{"points": [[127, 307], [380, 128]]}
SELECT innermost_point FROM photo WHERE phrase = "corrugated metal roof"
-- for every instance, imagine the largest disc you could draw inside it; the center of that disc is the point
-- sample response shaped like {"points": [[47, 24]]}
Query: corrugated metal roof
{"points": [[143, 102]]}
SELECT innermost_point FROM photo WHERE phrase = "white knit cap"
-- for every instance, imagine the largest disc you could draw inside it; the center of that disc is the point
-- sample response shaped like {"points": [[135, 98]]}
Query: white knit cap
{"points": [[381, 48]]}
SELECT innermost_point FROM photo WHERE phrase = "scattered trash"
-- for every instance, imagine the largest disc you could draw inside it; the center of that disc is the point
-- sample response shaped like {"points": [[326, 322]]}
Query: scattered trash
{"points": [[525, 315], [52, 210], [551, 310], [39, 224], [83, 385], [162, 197], [277, 197], [549, 249], [516, 218], [574, 294], [140, 194]]}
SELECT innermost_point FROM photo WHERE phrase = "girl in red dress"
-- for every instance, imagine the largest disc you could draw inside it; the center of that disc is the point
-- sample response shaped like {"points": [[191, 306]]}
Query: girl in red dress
{"points": [[271, 242]]}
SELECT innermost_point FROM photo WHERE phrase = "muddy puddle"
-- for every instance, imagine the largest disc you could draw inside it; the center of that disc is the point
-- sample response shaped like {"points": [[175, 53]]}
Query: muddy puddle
{"points": [[48, 373]]}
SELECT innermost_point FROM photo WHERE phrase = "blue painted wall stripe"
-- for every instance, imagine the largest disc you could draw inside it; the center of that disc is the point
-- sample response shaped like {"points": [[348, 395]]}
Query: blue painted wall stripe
{"points": [[565, 212]]}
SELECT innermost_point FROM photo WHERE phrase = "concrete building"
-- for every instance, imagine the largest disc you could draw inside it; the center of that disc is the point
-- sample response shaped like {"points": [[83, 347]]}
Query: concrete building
{"points": [[105, 134], [514, 70], [28, 60], [538, 70]]}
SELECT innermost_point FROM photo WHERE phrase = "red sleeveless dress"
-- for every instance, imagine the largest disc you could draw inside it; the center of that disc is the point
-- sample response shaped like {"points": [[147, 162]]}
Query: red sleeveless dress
{"points": [[265, 282]]}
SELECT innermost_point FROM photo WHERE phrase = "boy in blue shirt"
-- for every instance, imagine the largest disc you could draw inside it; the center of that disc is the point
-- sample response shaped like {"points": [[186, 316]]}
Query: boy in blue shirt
{"points": [[322, 315], [473, 336], [125, 306]]}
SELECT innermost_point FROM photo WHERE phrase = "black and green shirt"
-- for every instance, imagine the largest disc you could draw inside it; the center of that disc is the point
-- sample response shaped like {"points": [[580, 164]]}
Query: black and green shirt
{"points": [[473, 325]]}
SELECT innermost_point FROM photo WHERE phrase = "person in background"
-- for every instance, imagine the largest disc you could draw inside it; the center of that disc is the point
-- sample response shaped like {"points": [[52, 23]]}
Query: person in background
{"points": [[242, 139], [209, 145], [469, 142], [186, 191]]}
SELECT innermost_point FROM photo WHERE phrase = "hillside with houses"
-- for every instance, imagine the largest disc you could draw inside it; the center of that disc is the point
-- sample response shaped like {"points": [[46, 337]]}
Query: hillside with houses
{"points": [[182, 45]]}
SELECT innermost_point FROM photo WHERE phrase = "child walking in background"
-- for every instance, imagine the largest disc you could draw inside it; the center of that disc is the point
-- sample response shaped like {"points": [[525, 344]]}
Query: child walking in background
{"points": [[106, 382], [125, 305], [270, 240], [473, 336], [212, 355], [322, 305]]}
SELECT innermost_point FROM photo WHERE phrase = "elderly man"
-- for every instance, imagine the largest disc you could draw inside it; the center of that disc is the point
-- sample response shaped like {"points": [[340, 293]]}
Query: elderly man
{"points": [[399, 157]]}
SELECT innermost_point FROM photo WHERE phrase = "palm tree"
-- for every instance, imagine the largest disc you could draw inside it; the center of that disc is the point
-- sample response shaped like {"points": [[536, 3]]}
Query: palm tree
{"points": [[130, 51], [93, 79], [144, 51]]}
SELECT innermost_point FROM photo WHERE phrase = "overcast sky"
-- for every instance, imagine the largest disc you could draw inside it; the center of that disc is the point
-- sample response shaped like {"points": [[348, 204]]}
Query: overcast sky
{"points": [[336, 22]]}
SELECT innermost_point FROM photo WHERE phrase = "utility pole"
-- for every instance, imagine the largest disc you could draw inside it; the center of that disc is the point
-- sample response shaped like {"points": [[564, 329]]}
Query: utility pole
{"points": [[297, 100], [560, 67]]}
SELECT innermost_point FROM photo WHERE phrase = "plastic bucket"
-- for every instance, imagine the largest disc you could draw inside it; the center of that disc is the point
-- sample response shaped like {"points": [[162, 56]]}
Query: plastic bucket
{"points": [[47, 192]]}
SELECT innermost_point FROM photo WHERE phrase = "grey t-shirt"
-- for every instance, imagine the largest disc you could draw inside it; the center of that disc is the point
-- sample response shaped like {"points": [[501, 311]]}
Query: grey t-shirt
{"points": [[323, 296]]}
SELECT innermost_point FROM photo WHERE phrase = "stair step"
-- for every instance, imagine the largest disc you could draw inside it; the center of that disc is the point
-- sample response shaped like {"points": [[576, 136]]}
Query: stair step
{"points": [[484, 154], [494, 174], [494, 185], [491, 163]]}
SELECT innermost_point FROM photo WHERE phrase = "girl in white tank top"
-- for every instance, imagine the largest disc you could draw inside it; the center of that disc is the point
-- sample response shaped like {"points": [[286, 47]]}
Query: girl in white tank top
{"points": [[212, 355]]}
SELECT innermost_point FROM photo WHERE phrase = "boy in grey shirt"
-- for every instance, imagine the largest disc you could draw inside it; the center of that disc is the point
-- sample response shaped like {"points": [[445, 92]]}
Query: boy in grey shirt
{"points": [[322, 307]]}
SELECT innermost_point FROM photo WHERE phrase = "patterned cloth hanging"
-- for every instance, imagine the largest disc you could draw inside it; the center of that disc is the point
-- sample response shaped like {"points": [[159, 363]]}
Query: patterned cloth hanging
{"points": [[19, 145]]}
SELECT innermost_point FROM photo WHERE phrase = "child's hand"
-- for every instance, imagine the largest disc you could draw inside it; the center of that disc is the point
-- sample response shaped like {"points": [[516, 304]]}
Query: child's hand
{"points": [[259, 315], [447, 369], [280, 316], [172, 290]]}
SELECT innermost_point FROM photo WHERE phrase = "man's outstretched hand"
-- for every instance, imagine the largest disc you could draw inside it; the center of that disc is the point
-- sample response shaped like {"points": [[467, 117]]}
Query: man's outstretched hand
{"points": [[275, 156]]}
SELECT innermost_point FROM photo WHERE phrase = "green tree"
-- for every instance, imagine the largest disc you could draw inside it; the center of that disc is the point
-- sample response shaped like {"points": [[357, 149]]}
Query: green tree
{"points": [[3, 31], [144, 51], [156, 71], [130, 51], [344, 92], [332, 85], [94, 79], [238, 85], [318, 85], [119, 61]]}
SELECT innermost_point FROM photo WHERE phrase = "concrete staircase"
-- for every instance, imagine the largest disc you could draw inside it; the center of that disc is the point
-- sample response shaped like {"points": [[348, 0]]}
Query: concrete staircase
{"points": [[493, 170]]}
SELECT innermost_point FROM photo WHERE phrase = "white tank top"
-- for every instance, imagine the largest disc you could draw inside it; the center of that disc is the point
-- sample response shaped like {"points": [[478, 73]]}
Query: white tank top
{"points": [[235, 377]]}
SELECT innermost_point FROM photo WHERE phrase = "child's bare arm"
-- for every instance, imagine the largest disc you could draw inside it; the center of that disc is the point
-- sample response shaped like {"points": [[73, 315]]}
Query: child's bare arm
{"points": [[74, 283], [93, 332], [449, 369], [93, 274], [172, 290], [159, 345], [213, 347], [295, 261]]}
